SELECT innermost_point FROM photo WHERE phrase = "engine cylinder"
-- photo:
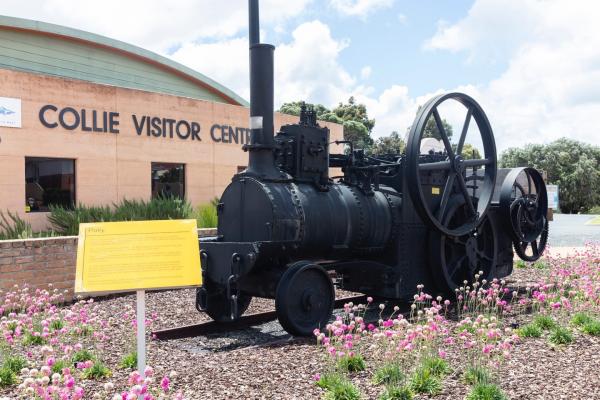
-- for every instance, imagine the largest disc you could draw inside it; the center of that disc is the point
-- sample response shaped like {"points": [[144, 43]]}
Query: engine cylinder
{"points": [[342, 219]]}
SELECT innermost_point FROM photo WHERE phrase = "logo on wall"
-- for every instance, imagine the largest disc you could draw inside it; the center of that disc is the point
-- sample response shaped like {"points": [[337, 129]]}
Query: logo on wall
{"points": [[10, 112]]}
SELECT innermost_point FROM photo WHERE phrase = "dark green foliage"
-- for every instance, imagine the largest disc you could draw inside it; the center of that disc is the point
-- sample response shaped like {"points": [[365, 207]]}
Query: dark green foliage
{"points": [[66, 221], [560, 335], [353, 116], [438, 366], [476, 374], [388, 374], [129, 360], [530, 330], [392, 144], [14, 363], [354, 363], [343, 390], [30, 339], [424, 381], [580, 319], [397, 393], [97, 371], [14, 227], [7, 377], [545, 322], [540, 264], [432, 131], [486, 391], [592, 328], [82, 356], [520, 264], [57, 324], [573, 165], [206, 216], [58, 366]]}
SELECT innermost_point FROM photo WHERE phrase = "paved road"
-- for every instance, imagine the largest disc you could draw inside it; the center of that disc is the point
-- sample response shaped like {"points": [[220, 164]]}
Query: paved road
{"points": [[571, 230]]}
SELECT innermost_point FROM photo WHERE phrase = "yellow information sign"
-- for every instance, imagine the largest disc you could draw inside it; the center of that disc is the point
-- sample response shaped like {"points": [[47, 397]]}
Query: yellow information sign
{"points": [[137, 255]]}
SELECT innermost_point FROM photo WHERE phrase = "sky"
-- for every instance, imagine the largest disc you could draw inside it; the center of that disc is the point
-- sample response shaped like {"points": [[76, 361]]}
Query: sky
{"points": [[533, 65]]}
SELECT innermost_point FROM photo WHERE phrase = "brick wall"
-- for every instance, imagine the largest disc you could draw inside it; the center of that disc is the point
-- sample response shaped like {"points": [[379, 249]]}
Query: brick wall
{"points": [[39, 262]]}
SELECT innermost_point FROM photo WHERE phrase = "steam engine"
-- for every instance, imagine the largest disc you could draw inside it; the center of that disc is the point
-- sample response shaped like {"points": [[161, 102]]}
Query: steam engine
{"points": [[383, 226]]}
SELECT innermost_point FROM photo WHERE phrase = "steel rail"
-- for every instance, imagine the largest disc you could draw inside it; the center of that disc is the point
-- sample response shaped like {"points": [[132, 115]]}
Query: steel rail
{"points": [[245, 321]]}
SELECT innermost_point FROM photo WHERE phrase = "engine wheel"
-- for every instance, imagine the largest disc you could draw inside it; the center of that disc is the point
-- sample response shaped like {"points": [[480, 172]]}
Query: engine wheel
{"points": [[524, 207], [456, 259], [449, 168], [219, 307], [304, 298]]}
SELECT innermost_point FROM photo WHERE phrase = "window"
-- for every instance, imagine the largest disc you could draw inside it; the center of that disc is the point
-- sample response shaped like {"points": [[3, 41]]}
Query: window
{"points": [[49, 181], [168, 180]]}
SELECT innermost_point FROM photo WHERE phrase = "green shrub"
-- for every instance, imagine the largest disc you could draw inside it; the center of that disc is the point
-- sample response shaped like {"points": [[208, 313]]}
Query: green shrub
{"points": [[476, 374], [82, 356], [424, 381], [540, 264], [438, 366], [592, 327], [86, 330], [560, 335], [397, 393], [66, 221], [206, 216], [344, 390], [388, 374], [57, 324], [31, 339], [545, 322], [97, 371], [7, 377], [520, 264], [354, 363], [486, 391], [12, 226], [529, 330], [58, 366], [580, 319], [129, 360], [14, 363], [594, 210]]}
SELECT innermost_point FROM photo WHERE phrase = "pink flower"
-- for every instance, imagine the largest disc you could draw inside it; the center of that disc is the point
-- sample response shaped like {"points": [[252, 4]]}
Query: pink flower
{"points": [[442, 353], [165, 382]]}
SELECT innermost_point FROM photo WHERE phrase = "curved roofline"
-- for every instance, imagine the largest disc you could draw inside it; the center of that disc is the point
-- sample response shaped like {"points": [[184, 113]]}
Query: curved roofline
{"points": [[117, 46]]}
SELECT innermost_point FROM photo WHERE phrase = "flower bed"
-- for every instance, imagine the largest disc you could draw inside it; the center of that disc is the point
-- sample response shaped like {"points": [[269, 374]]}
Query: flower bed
{"points": [[459, 341], [489, 345], [50, 352]]}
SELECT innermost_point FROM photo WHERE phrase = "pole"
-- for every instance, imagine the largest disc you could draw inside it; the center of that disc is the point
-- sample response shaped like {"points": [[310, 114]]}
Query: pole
{"points": [[141, 331]]}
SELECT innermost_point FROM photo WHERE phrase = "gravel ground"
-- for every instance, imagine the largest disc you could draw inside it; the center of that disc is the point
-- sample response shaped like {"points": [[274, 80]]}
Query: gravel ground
{"points": [[265, 363]]}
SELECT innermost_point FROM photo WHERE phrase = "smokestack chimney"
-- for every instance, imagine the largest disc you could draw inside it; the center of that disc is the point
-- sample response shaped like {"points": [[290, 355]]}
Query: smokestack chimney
{"points": [[261, 160]]}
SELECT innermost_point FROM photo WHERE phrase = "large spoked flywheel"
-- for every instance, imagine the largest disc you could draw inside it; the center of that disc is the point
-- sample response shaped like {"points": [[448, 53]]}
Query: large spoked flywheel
{"points": [[524, 207], [436, 175], [304, 298], [456, 259]]}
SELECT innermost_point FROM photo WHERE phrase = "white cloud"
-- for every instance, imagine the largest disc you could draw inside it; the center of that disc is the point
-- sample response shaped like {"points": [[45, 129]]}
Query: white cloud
{"points": [[365, 72], [550, 88], [153, 24], [360, 8], [318, 78]]}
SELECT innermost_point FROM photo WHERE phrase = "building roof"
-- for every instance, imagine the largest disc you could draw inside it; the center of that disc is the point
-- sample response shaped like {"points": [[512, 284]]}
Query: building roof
{"points": [[40, 47]]}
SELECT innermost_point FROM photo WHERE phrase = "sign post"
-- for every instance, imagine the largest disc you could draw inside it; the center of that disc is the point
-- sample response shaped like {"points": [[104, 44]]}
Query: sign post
{"points": [[141, 331], [137, 256]]}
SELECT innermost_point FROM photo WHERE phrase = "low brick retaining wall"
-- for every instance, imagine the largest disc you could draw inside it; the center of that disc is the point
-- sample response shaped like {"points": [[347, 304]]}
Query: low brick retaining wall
{"points": [[40, 262]]}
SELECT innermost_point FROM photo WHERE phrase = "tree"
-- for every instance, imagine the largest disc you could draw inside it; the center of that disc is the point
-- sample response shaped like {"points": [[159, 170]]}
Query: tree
{"points": [[469, 152], [392, 144], [432, 131], [573, 165], [354, 118]]}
